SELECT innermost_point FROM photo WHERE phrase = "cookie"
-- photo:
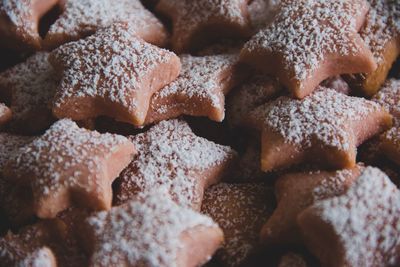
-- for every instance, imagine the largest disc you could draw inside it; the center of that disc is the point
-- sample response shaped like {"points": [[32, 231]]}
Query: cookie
{"points": [[81, 18], [151, 230], [324, 128], [389, 97], [199, 90], [297, 191], [19, 23], [69, 166], [195, 23], [310, 41], [171, 155], [111, 73], [46, 243], [381, 32], [15, 201], [361, 226], [31, 86], [240, 210]]}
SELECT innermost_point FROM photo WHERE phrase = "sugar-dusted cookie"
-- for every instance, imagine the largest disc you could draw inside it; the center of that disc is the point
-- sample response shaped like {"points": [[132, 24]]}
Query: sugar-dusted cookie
{"points": [[31, 86], [15, 201], [112, 73], [46, 243], [359, 228], [149, 231], [199, 90], [262, 12], [324, 128], [69, 166], [381, 32], [5, 114], [240, 210], [389, 97], [171, 155], [297, 191], [19, 22], [80, 18], [254, 92], [309, 41], [196, 22]]}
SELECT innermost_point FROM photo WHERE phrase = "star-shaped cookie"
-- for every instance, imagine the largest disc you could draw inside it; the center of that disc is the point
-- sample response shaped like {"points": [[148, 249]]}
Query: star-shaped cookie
{"points": [[112, 73], [297, 191], [5, 114], [240, 210], [389, 97], [15, 201], [199, 90], [46, 243], [358, 228], [309, 41], [19, 20], [31, 86], [196, 22], [80, 18], [324, 128], [151, 230], [381, 32], [171, 155], [69, 166]]}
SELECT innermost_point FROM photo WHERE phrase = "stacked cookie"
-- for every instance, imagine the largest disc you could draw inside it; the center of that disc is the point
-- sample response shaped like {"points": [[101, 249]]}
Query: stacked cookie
{"points": [[189, 133]]}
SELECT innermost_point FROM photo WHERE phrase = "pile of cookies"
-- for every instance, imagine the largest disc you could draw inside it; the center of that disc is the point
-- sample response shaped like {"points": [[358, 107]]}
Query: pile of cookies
{"points": [[200, 132]]}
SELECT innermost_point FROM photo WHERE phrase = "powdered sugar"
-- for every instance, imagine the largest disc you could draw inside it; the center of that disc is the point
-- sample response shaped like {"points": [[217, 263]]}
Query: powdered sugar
{"points": [[113, 64], [32, 84], [190, 15], [20, 12], [201, 81], [171, 155], [82, 17], [389, 97], [381, 26], [56, 160], [304, 32], [325, 115], [365, 220], [255, 92], [240, 210], [145, 230], [332, 185], [9, 144]]}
